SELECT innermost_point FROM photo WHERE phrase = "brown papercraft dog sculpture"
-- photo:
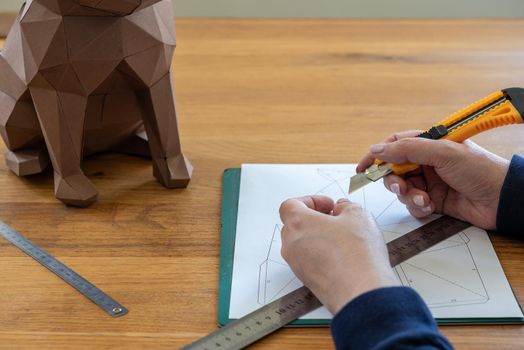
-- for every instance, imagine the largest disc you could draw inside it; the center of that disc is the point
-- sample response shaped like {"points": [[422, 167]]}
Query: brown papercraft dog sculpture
{"points": [[79, 77]]}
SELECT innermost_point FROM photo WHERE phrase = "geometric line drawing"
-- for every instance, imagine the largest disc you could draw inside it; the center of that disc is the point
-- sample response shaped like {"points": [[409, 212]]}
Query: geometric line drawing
{"points": [[453, 281], [275, 278]]}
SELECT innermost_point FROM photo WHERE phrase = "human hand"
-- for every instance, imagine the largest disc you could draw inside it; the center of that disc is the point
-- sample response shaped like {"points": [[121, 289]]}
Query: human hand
{"points": [[336, 250], [462, 180]]}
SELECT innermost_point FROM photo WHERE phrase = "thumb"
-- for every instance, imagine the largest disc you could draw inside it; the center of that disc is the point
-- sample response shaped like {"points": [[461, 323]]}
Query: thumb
{"points": [[305, 205], [417, 150], [344, 205]]}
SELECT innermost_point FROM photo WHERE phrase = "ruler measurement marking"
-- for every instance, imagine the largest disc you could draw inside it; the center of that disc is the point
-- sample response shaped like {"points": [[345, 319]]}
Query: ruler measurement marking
{"points": [[75, 280]]}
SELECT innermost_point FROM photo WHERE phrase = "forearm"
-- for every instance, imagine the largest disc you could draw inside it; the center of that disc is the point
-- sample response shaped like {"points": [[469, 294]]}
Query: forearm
{"points": [[387, 318]]}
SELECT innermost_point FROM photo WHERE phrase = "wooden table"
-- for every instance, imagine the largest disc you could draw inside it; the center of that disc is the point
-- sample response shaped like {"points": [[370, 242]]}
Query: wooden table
{"points": [[248, 91]]}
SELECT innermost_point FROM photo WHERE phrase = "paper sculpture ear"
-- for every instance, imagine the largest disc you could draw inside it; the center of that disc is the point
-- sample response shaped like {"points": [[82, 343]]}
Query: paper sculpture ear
{"points": [[71, 86]]}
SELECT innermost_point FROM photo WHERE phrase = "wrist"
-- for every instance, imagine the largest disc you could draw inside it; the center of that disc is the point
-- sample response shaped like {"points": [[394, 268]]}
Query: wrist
{"points": [[499, 174], [344, 290]]}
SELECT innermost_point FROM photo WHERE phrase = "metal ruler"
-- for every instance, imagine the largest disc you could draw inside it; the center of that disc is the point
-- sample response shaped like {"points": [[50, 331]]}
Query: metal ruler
{"points": [[89, 290], [273, 316]]}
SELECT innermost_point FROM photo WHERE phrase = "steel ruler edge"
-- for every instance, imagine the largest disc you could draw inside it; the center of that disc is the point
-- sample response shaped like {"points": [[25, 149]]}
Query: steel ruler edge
{"points": [[275, 315], [89, 290]]}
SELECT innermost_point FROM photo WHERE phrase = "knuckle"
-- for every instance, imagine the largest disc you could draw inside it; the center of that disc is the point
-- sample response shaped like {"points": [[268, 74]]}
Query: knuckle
{"points": [[285, 206], [401, 147], [351, 207], [284, 252], [284, 235], [407, 142], [416, 213], [408, 133], [403, 199], [355, 206], [388, 181], [398, 136], [295, 222]]}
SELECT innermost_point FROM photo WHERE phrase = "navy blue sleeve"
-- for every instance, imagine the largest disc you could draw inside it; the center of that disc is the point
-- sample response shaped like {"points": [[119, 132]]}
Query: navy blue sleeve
{"points": [[511, 203], [387, 318]]}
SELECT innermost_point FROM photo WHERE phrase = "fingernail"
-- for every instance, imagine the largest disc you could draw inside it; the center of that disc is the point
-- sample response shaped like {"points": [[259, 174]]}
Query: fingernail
{"points": [[418, 200], [395, 188], [343, 200], [377, 148], [427, 209]]}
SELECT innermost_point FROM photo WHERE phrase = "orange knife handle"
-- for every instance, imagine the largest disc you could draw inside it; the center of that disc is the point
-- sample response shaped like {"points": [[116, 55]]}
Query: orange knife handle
{"points": [[472, 108], [503, 114], [400, 169], [510, 111]]}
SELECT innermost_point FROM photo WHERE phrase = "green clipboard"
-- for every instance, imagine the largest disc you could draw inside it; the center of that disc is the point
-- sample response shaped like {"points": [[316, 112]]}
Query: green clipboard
{"points": [[230, 196]]}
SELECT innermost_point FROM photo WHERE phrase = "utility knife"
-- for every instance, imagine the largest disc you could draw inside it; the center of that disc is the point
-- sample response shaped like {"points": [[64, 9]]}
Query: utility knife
{"points": [[501, 108]]}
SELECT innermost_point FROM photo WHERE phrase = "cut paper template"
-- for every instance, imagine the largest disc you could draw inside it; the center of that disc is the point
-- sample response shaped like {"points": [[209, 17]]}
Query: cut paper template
{"points": [[460, 277], [457, 283], [79, 77]]}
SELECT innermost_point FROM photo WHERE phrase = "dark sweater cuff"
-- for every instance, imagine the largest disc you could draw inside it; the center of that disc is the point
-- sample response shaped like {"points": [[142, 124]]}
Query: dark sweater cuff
{"points": [[387, 318], [510, 218]]}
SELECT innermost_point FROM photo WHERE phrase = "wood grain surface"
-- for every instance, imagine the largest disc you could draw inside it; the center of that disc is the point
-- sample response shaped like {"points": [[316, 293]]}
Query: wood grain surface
{"points": [[259, 91]]}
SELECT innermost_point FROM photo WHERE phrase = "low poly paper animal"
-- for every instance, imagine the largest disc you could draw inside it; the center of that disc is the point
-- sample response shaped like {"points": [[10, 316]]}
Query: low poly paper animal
{"points": [[79, 77]]}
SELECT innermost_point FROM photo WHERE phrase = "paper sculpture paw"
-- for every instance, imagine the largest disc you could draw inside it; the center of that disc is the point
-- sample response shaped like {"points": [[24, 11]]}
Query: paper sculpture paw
{"points": [[27, 162], [173, 172], [75, 190]]}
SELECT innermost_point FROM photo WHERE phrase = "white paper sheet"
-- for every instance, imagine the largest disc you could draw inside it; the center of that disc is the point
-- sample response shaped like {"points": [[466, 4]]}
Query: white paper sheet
{"points": [[458, 278]]}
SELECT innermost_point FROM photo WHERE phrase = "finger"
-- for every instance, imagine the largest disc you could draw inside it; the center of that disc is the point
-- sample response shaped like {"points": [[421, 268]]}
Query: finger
{"points": [[436, 188], [396, 184], [369, 158], [343, 205], [417, 182], [415, 197], [403, 135], [418, 150], [420, 213], [365, 162], [305, 205], [322, 204], [399, 185]]}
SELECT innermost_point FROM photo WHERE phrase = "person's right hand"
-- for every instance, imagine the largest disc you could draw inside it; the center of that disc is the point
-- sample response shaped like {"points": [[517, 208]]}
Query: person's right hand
{"points": [[462, 180]]}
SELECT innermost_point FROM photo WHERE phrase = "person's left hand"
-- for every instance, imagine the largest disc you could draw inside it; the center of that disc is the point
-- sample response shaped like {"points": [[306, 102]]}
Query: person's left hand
{"points": [[336, 250]]}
